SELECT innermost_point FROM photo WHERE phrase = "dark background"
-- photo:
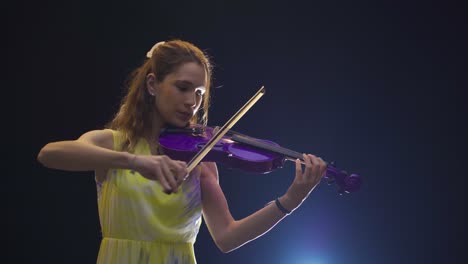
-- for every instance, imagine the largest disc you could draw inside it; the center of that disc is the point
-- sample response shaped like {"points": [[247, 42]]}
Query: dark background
{"points": [[377, 86]]}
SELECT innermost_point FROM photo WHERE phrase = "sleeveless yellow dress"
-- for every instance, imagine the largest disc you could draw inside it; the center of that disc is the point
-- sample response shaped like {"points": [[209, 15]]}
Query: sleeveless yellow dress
{"points": [[140, 223]]}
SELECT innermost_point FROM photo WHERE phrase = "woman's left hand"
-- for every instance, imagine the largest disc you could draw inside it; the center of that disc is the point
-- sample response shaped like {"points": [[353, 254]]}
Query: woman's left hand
{"points": [[305, 180]]}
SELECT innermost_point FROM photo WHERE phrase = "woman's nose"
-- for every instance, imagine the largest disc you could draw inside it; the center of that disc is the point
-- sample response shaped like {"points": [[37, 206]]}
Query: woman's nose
{"points": [[191, 100]]}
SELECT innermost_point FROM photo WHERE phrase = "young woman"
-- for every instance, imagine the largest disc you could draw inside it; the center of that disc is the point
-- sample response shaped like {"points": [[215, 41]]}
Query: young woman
{"points": [[140, 222]]}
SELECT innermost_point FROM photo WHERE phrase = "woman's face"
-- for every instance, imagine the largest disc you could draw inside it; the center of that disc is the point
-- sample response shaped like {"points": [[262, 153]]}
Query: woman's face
{"points": [[179, 96]]}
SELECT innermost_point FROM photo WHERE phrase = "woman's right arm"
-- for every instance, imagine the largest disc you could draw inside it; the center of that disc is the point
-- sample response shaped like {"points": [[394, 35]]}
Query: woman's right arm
{"points": [[92, 151]]}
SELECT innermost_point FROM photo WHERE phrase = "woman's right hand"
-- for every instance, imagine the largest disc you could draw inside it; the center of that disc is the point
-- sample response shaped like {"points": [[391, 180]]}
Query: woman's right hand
{"points": [[168, 172]]}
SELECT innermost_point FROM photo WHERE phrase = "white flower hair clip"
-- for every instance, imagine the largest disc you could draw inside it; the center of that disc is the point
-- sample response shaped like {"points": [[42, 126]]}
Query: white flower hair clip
{"points": [[149, 54]]}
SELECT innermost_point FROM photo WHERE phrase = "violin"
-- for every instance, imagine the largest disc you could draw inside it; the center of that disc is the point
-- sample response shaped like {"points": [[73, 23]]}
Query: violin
{"points": [[242, 152], [197, 143]]}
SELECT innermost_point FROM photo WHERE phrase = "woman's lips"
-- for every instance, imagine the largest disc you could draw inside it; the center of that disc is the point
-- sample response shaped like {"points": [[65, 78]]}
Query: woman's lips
{"points": [[184, 115]]}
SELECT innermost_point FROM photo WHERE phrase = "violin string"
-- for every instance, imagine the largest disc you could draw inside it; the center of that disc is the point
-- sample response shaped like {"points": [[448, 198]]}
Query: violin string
{"points": [[263, 145]]}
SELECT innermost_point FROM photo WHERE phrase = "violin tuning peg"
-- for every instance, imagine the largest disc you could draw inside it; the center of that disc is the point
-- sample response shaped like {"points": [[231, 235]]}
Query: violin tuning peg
{"points": [[332, 163]]}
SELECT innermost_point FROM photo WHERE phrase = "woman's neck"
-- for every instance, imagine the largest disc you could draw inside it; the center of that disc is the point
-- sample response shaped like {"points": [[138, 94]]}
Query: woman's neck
{"points": [[152, 137], [156, 125]]}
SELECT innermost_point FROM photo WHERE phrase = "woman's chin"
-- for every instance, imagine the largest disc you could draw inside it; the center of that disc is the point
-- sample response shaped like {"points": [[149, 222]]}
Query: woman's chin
{"points": [[179, 123]]}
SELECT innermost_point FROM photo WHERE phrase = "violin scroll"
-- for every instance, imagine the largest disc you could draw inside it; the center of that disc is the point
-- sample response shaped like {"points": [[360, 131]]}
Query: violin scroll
{"points": [[344, 182]]}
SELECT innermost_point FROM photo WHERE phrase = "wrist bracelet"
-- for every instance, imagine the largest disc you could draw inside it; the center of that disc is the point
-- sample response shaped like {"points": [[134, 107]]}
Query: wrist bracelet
{"points": [[281, 207]]}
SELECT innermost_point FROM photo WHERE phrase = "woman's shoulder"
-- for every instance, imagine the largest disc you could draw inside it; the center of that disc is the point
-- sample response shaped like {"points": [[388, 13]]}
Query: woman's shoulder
{"points": [[101, 137]]}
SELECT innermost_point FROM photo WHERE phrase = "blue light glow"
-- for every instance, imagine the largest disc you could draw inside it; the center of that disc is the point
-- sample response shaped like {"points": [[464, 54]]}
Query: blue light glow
{"points": [[304, 255]]}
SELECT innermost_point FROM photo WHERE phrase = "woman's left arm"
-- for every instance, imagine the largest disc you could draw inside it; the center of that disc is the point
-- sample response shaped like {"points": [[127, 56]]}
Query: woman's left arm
{"points": [[230, 234]]}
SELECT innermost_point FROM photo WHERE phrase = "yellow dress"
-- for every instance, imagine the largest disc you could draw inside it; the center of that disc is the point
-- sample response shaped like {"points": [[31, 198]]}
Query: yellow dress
{"points": [[140, 223]]}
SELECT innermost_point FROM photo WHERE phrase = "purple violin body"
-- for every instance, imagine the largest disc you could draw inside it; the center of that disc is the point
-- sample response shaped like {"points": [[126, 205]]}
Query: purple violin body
{"points": [[242, 152], [182, 145]]}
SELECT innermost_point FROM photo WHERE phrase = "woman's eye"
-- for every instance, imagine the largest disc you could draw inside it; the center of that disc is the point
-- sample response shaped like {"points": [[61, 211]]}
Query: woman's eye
{"points": [[182, 88]]}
